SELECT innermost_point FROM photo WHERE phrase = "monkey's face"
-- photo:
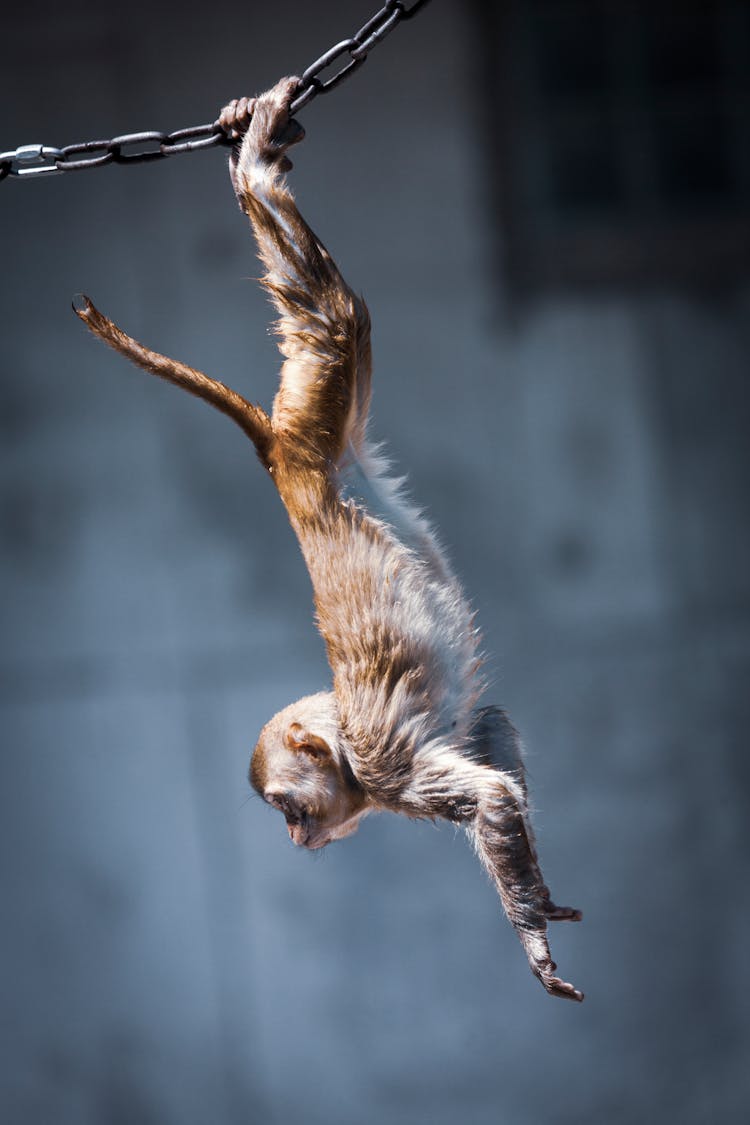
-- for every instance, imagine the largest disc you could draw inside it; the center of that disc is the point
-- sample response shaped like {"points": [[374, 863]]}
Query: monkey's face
{"points": [[296, 771], [318, 811]]}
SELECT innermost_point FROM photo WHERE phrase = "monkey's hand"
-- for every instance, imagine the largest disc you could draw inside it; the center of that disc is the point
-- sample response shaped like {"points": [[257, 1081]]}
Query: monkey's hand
{"points": [[541, 963], [264, 126], [235, 117]]}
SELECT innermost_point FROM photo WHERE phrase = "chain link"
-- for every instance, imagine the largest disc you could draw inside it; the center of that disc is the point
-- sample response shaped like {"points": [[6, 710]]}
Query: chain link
{"points": [[45, 160]]}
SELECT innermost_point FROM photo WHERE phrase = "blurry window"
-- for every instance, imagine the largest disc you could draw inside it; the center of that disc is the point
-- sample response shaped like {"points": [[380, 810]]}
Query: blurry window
{"points": [[618, 139]]}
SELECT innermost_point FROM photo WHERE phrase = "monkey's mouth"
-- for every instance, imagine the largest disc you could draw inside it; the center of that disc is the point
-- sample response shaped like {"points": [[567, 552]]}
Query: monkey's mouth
{"points": [[302, 839]]}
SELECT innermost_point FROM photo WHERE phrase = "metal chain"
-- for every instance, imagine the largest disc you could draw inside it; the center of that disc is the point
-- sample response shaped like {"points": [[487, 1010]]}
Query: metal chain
{"points": [[45, 160]]}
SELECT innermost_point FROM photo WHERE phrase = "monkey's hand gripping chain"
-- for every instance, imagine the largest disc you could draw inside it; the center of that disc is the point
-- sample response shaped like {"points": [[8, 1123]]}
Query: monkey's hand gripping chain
{"points": [[349, 55]]}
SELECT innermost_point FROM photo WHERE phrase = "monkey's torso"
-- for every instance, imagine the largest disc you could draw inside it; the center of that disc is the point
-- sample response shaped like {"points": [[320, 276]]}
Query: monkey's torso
{"points": [[399, 632]]}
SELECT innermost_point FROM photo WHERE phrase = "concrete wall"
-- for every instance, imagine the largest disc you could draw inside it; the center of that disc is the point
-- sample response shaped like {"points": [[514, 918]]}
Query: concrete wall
{"points": [[168, 957]]}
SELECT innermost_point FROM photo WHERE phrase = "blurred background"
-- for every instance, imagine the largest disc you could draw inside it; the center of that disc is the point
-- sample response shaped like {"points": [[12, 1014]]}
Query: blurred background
{"points": [[547, 206]]}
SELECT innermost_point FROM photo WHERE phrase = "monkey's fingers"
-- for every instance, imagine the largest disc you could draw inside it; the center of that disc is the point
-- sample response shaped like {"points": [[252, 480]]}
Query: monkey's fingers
{"points": [[555, 913], [543, 967], [557, 987], [236, 116]]}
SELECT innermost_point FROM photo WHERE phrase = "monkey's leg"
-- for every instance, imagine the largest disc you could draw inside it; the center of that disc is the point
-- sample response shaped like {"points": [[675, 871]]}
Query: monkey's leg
{"points": [[250, 418], [496, 742]]}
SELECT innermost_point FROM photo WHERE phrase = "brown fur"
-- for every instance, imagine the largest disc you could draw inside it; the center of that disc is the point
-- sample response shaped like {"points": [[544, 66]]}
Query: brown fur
{"points": [[398, 730]]}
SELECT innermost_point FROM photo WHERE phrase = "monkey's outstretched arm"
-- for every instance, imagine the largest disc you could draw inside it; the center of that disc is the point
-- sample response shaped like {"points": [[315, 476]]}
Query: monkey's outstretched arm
{"points": [[486, 793], [496, 742], [503, 839], [498, 831], [324, 395]]}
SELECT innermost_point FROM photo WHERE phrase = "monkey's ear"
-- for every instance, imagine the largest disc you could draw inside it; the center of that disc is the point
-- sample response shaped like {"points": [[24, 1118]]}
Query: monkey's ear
{"points": [[297, 738]]}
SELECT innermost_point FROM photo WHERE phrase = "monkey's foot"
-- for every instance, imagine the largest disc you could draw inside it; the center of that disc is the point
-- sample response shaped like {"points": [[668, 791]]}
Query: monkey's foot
{"points": [[235, 117], [555, 913]]}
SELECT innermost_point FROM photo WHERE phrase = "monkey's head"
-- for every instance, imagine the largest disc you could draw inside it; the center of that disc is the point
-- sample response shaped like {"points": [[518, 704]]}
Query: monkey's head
{"points": [[299, 766]]}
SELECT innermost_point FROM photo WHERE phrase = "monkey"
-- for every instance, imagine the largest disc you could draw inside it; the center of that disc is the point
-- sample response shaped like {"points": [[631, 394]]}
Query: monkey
{"points": [[399, 730]]}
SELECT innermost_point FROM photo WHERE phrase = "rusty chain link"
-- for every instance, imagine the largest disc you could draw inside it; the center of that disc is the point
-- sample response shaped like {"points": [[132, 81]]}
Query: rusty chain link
{"points": [[46, 160]]}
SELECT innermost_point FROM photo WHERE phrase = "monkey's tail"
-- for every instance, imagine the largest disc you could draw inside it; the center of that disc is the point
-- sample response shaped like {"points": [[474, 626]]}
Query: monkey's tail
{"points": [[252, 419]]}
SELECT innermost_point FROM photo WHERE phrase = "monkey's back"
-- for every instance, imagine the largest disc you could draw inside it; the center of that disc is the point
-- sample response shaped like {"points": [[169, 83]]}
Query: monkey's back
{"points": [[399, 631]]}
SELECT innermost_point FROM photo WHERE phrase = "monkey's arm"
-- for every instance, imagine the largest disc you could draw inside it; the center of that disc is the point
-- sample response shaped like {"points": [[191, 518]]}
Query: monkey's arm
{"points": [[487, 795], [500, 837], [504, 841], [324, 395]]}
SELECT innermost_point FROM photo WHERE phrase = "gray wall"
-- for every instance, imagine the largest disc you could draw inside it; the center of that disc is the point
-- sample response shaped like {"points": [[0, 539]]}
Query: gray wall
{"points": [[168, 958]]}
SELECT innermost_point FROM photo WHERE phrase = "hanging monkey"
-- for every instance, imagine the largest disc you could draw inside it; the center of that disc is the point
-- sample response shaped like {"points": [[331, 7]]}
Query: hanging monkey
{"points": [[399, 731]]}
